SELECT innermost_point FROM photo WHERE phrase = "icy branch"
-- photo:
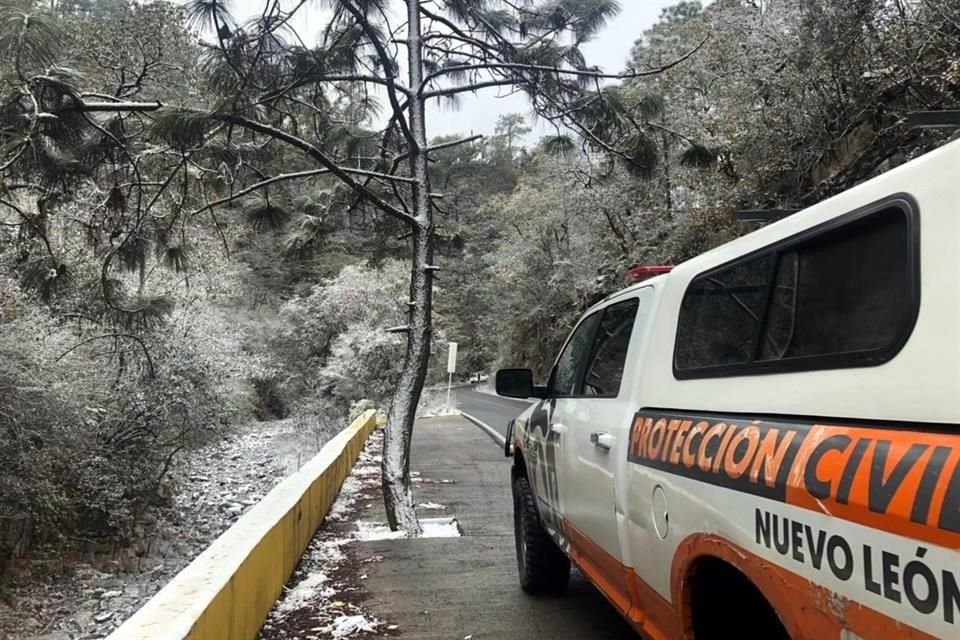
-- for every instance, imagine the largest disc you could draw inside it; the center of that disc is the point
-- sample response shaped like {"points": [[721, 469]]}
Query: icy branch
{"points": [[454, 143], [401, 329], [389, 66], [520, 66], [318, 155], [114, 336], [91, 107]]}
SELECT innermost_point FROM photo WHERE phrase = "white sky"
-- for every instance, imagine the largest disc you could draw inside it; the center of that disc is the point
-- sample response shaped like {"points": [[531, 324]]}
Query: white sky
{"points": [[478, 114]]}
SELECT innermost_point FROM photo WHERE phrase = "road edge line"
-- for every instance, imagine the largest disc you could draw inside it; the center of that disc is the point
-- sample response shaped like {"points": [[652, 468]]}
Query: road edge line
{"points": [[490, 431]]}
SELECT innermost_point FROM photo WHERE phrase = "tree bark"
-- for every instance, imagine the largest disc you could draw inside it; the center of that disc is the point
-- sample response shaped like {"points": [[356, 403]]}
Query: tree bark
{"points": [[397, 492]]}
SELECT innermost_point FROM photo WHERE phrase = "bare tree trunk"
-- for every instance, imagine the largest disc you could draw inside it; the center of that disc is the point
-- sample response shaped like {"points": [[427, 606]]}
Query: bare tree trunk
{"points": [[397, 492]]}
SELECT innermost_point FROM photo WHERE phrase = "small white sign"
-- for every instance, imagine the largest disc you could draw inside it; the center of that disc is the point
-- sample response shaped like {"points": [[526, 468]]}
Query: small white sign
{"points": [[452, 358]]}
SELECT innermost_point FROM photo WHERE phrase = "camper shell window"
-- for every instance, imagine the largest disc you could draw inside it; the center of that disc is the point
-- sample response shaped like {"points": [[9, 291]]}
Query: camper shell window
{"points": [[843, 294]]}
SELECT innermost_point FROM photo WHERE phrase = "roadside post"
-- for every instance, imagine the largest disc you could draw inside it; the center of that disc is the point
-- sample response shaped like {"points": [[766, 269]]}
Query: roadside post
{"points": [[451, 367]]}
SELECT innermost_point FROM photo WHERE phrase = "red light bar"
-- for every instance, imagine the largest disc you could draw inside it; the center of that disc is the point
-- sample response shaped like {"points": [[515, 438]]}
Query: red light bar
{"points": [[639, 274]]}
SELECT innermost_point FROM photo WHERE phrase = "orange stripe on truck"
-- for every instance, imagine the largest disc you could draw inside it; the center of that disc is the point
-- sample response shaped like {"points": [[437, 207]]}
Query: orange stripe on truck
{"points": [[904, 482], [894, 479]]}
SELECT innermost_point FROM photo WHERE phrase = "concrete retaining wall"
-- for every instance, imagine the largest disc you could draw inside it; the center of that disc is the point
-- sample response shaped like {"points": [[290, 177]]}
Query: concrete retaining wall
{"points": [[228, 590]]}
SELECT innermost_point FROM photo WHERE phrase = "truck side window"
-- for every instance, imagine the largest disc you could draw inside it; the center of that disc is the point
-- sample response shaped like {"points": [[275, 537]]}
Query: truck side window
{"points": [[574, 356], [610, 350], [843, 296], [721, 314]]}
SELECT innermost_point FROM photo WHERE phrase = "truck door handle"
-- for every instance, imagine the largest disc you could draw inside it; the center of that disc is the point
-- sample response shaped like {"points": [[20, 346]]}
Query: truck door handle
{"points": [[601, 440]]}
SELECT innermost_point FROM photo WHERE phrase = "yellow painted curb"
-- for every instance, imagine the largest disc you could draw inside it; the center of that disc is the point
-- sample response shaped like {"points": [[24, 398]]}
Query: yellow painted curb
{"points": [[228, 590]]}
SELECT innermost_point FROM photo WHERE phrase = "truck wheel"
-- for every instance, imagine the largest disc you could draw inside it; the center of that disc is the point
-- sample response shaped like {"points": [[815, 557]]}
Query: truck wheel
{"points": [[543, 567]]}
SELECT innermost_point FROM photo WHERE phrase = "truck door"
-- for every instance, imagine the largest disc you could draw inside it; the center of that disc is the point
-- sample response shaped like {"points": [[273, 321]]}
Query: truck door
{"points": [[595, 420], [547, 435]]}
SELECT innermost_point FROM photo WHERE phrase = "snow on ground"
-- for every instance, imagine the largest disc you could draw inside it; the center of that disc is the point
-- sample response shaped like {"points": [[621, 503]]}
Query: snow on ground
{"points": [[368, 531], [211, 487], [345, 626], [318, 605], [430, 528], [433, 404], [440, 528], [324, 601]]}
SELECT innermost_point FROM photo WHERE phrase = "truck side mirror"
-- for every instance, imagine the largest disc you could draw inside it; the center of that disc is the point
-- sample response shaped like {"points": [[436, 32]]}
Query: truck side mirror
{"points": [[516, 383]]}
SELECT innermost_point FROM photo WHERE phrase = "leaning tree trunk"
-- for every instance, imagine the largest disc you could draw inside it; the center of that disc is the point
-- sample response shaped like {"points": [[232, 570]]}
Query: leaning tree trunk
{"points": [[397, 492]]}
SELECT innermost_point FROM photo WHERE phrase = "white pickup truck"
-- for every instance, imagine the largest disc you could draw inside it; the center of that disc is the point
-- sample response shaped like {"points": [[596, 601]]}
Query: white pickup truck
{"points": [[764, 442]]}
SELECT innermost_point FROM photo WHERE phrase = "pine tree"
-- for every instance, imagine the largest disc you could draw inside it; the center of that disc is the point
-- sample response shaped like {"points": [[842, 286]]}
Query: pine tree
{"points": [[272, 100]]}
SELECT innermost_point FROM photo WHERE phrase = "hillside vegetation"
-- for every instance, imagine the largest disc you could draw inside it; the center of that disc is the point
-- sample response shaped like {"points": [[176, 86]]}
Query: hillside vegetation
{"points": [[140, 318]]}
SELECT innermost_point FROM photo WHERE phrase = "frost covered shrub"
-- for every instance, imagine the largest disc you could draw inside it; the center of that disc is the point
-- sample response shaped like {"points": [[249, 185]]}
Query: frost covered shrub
{"points": [[33, 416], [328, 336], [358, 407], [702, 231], [365, 362], [88, 431], [333, 343], [49, 424]]}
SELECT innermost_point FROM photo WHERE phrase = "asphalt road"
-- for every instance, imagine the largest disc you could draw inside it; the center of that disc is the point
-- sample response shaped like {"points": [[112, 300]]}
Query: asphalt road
{"points": [[491, 409], [467, 587]]}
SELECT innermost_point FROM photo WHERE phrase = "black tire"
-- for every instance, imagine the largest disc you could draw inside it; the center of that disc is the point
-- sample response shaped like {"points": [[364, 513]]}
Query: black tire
{"points": [[543, 567]]}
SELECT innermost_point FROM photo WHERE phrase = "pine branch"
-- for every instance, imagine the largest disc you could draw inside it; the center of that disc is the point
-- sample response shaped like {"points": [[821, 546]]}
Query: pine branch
{"points": [[340, 172], [114, 336], [454, 143], [458, 32], [119, 106], [587, 73], [283, 177], [31, 222], [389, 68], [587, 133], [451, 91], [671, 132], [330, 78]]}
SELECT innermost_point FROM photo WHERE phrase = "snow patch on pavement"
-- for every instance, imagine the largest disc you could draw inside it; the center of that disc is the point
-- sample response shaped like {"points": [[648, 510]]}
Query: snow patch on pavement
{"points": [[368, 531], [346, 626], [440, 528], [318, 605], [315, 607], [312, 587], [430, 528], [340, 509]]}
